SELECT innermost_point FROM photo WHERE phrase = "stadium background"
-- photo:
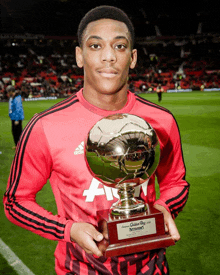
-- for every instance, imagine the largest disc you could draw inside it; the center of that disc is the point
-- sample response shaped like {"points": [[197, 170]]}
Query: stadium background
{"points": [[178, 47]]}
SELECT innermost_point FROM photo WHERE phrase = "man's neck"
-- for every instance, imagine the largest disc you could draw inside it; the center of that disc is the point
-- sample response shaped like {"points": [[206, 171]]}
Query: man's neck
{"points": [[109, 102]]}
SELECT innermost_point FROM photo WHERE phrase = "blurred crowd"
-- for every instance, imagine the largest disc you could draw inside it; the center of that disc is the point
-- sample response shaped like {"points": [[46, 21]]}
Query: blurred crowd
{"points": [[47, 67]]}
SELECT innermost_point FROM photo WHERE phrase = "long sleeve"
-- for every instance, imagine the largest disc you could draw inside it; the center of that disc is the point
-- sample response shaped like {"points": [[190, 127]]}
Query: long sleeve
{"points": [[171, 174], [30, 171]]}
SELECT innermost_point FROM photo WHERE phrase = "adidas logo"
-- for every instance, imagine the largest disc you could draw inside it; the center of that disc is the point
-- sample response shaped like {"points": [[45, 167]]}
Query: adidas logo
{"points": [[80, 149]]}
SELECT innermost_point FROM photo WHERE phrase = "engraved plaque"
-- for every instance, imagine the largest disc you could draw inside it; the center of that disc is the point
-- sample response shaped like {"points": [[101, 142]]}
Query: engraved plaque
{"points": [[136, 229]]}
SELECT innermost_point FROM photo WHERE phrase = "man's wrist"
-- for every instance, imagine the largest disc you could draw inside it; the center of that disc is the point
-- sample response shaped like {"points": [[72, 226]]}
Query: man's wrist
{"points": [[67, 231], [161, 203]]}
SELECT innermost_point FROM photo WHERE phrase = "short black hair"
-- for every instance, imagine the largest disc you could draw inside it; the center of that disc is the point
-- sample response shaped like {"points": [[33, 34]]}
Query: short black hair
{"points": [[105, 12]]}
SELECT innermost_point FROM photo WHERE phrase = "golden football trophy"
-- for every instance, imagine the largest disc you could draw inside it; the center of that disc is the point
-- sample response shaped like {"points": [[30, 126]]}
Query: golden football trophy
{"points": [[122, 151]]}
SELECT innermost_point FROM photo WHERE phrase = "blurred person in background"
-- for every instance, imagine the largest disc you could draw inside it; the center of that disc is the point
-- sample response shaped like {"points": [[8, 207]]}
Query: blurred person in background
{"points": [[159, 91], [16, 113]]}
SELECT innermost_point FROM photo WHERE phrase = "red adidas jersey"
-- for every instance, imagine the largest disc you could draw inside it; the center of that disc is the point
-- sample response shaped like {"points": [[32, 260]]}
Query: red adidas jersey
{"points": [[52, 147]]}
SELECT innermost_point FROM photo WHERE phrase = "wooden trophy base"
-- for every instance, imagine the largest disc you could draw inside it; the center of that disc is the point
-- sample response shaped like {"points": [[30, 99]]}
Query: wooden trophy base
{"points": [[133, 234]]}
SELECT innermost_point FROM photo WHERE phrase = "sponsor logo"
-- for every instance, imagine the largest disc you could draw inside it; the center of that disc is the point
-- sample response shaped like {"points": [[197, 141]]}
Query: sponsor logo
{"points": [[97, 189], [80, 149]]}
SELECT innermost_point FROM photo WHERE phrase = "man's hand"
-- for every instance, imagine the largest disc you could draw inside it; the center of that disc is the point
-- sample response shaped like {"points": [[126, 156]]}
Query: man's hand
{"points": [[86, 236], [16, 122], [170, 225]]}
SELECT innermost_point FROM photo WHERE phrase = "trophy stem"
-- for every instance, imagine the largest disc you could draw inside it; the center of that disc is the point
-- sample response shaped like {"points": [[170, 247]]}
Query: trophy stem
{"points": [[127, 204]]}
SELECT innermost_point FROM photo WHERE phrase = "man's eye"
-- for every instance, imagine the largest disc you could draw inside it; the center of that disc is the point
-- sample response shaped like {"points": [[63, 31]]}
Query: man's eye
{"points": [[120, 47], [95, 46]]}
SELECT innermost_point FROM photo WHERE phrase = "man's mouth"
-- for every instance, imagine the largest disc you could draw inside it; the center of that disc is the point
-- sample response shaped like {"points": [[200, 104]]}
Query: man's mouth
{"points": [[109, 73]]}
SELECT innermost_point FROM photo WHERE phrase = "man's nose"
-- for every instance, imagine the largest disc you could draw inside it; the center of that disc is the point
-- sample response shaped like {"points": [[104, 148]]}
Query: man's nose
{"points": [[108, 54]]}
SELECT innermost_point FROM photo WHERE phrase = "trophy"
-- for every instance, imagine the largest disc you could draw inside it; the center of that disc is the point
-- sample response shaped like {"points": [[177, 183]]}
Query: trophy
{"points": [[122, 151]]}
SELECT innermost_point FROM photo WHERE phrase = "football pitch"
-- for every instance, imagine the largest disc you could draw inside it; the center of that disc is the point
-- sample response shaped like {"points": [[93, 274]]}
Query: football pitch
{"points": [[198, 251]]}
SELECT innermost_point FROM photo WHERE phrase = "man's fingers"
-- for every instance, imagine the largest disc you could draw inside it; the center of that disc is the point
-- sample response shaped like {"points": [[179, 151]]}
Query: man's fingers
{"points": [[171, 228], [104, 228], [90, 247], [102, 246], [174, 231], [85, 235], [96, 235], [170, 225]]}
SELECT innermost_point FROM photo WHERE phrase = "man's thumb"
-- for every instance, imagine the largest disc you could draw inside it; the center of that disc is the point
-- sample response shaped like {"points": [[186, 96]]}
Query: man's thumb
{"points": [[97, 236]]}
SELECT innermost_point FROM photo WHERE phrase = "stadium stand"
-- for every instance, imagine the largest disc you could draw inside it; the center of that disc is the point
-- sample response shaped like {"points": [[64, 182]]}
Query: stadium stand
{"points": [[45, 66]]}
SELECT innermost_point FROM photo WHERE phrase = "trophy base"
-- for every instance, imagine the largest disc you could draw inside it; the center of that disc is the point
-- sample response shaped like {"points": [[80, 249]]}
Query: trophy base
{"points": [[136, 246], [133, 234]]}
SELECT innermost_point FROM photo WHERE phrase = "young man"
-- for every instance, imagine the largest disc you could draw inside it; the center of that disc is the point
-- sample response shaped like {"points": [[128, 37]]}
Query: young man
{"points": [[16, 113], [51, 147]]}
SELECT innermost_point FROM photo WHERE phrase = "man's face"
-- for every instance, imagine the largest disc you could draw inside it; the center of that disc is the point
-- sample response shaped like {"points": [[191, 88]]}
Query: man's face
{"points": [[106, 56]]}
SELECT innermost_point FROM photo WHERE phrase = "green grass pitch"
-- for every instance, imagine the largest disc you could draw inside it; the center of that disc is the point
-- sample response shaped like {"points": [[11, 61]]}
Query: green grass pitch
{"points": [[197, 253]]}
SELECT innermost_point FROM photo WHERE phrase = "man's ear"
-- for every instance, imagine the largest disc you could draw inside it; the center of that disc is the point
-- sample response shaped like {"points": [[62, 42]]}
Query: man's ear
{"points": [[133, 59], [79, 57]]}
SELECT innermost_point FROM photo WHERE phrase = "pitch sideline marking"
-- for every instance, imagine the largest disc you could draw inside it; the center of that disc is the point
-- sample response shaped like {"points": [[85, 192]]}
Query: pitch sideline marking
{"points": [[13, 260]]}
